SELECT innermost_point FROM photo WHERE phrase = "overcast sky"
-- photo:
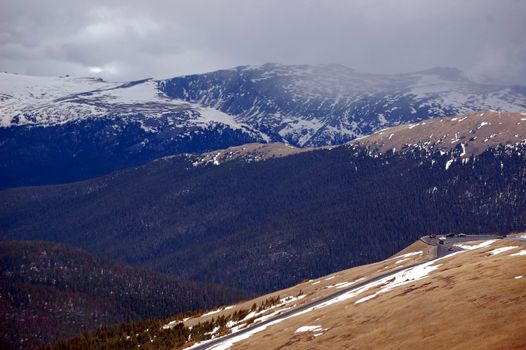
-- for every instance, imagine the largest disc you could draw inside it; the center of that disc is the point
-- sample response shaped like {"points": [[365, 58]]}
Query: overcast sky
{"points": [[124, 40]]}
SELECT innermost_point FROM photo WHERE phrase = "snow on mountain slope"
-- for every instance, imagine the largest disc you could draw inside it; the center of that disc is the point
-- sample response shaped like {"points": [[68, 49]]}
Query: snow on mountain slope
{"points": [[437, 304], [62, 129], [463, 136], [305, 105], [75, 128], [316, 105], [27, 100], [36, 97], [471, 133]]}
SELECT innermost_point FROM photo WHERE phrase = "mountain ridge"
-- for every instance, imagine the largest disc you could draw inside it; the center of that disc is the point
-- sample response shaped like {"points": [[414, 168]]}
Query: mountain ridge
{"points": [[281, 212], [63, 129], [335, 100], [471, 133]]}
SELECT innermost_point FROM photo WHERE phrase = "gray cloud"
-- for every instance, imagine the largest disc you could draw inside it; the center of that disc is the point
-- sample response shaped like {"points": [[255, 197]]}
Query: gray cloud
{"points": [[121, 40]]}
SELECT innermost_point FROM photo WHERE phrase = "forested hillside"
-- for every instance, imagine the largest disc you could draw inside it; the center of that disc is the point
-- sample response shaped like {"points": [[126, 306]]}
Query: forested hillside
{"points": [[50, 291], [266, 225]]}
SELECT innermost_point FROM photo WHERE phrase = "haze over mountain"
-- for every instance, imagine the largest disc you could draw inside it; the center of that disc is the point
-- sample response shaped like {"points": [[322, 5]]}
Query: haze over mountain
{"points": [[64, 129], [131, 40]]}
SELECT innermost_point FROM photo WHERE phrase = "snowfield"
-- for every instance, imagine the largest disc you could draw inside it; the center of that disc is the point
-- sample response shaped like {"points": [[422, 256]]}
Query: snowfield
{"points": [[47, 101], [312, 105], [502, 250], [304, 329]]}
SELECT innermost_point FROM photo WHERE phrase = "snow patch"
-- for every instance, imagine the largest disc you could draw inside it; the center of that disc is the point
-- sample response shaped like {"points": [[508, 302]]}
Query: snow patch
{"points": [[290, 299], [211, 312], [171, 324], [401, 278], [463, 150], [304, 329], [502, 250], [476, 246], [406, 255], [401, 261], [483, 124]]}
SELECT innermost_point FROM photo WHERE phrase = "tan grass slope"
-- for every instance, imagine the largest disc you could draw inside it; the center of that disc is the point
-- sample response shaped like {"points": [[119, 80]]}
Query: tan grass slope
{"points": [[249, 152], [475, 132], [475, 299]]}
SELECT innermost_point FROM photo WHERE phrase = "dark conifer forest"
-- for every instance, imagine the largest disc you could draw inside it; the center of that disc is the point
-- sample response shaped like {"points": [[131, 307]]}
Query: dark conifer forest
{"points": [[50, 291], [265, 225]]}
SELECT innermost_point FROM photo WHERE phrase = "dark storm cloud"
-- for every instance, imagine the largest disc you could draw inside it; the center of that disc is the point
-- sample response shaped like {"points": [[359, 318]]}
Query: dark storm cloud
{"points": [[135, 39]]}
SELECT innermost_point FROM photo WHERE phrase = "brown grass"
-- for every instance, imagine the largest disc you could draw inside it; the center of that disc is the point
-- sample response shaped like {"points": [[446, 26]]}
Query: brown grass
{"points": [[472, 301], [503, 128], [259, 150], [314, 291]]}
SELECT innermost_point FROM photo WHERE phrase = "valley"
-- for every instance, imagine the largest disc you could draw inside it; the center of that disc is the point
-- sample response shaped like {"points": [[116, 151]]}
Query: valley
{"points": [[51, 291], [263, 175]]}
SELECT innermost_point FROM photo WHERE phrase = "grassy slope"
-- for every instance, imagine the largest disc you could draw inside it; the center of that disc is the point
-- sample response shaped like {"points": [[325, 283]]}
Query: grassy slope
{"points": [[472, 301]]}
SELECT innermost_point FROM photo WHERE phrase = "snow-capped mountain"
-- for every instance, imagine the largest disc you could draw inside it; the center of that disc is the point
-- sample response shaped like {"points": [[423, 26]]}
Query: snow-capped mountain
{"points": [[316, 105], [63, 129], [49, 101], [59, 129], [305, 105]]}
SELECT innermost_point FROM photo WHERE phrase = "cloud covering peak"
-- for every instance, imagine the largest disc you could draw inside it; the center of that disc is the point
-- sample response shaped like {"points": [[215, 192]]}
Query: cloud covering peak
{"points": [[123, 40]]}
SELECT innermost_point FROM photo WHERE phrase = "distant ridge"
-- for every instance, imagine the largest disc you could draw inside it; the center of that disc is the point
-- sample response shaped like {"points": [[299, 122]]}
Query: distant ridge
{"points": [[63, 129], [474, 133]]}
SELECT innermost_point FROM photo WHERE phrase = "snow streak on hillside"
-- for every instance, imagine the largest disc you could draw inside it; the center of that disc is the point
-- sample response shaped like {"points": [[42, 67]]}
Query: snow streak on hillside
{"points": [[315, 105]]}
